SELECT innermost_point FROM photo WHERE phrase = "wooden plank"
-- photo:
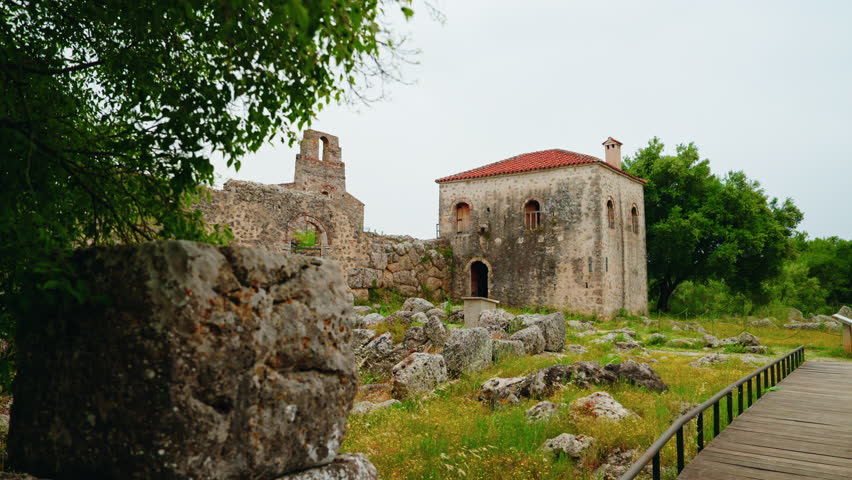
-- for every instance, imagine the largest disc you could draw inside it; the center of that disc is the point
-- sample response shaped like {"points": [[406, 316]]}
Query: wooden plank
{"points": [[803, 430]]}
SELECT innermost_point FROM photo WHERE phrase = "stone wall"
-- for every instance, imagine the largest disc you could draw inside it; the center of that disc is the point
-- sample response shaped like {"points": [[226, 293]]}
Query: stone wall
{"points": [[550, 265], [262, 215], [411, 266], [188, 361]]}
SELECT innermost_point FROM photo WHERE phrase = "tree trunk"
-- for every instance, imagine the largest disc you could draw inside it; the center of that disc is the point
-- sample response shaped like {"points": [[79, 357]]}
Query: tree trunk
{"points": [[666, 290]]}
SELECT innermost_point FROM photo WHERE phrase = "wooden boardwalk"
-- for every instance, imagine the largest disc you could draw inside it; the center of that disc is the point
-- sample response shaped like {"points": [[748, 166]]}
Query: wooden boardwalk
{"points": [[802, 430]]}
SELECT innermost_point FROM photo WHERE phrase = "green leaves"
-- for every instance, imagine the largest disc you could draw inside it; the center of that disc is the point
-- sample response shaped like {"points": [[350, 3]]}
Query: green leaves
{"points": [[701, 227]]}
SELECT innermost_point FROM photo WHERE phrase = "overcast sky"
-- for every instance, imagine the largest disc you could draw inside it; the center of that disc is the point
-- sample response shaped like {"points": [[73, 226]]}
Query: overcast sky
{"points": [[760, 86]]}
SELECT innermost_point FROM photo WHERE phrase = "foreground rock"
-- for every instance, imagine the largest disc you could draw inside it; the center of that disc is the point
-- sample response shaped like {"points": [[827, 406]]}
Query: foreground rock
{"points": [[346, 466], [417, 374], [467, 350], [600, 405], [496, 320], [208, 362], [436, 331], [570, 445]]}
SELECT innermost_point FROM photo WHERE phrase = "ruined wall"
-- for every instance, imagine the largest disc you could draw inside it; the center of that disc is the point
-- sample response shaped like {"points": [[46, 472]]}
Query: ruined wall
{"points": [[412, 266], [549, 265], [260, 215]]}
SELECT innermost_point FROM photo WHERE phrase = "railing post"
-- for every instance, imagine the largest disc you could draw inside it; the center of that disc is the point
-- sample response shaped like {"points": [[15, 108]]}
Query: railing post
{"points": [[757, 378], [772, 375], [700, 427], [740, 399], [716, 415], [655, 467], [679, 443], [749, 391], [766, 379], [730, 407]]}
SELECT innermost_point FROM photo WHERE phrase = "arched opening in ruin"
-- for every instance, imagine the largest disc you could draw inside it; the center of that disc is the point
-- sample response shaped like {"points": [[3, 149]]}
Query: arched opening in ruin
{"points": [[306, 235], [462, 217], [478, 279], [322, 147], [532, 215]]}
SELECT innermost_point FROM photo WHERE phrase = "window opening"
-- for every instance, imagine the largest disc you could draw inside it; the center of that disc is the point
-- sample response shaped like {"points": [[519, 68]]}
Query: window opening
{"points": [[590, 264], [462, 217], [532, 215], [610, 213], [634, 219]]}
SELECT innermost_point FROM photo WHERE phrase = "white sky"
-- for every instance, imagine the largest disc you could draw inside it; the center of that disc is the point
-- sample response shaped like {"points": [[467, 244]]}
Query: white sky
{"points": [[760, 86]]}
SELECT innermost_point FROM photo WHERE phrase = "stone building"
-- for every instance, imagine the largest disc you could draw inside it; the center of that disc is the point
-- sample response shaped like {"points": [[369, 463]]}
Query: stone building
{"points": [[315, 215], [553, 228]]}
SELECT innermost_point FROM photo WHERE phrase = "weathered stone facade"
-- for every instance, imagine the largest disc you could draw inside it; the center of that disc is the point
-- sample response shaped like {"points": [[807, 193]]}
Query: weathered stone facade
{"points": [[566, 251], [272, 217]]}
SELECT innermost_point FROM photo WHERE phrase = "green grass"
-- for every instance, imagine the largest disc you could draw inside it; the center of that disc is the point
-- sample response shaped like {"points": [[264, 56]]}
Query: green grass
{"points": [[449, 434]]}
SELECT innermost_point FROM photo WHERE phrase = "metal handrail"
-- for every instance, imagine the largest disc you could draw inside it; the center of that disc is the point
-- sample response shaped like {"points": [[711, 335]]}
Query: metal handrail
{"points": [[772, 374]]}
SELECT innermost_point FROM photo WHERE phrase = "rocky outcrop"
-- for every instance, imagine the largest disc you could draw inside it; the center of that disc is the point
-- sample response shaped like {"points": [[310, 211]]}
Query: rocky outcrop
{"points": [[417, 374], [545, 381], [467, 350], [600, 405], [570, 445], [206, 362]]}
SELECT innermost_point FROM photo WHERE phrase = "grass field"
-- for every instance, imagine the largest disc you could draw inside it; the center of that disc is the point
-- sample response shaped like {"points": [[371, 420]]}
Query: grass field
{"points": [[450, 434]]}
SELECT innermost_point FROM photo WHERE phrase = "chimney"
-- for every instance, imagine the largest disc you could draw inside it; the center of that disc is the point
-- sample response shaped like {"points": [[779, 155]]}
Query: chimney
{"points": [[612, 147]]}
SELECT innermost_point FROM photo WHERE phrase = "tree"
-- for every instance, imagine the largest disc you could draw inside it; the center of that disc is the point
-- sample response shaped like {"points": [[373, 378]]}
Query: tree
{"points": [[830, 261], [110, 109], [702, 227]]}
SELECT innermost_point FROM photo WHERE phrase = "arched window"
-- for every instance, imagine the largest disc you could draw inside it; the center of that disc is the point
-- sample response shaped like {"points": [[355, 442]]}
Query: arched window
{"points": [[610, 213], [462, 217], [532, 215], [322, 148], [634, 219]]}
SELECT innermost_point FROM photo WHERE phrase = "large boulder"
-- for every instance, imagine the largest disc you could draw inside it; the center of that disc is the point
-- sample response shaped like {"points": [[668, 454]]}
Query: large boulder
{"points": [[467, 350], [639, 374], [532, 338], [417, 305], [506, 349], [710, 341], [346, 466], [418, 373], [361, 337], [204, 362], [747, 339], [497, 391], [570, 445], [380, 354], [795, 315], [436, 331], [845, 311], [415, 338], [765, 322], [600, 405], [496, 320], [552, 328], [369, 321]]}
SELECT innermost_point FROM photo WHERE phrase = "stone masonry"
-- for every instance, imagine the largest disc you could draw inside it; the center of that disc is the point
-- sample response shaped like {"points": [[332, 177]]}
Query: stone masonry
{"points": [[271, 216], [547, 236]]}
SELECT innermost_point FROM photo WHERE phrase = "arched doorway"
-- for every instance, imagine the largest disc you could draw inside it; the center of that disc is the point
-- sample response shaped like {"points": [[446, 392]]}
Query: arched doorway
{"points": [[478, 279], [307, 236]]}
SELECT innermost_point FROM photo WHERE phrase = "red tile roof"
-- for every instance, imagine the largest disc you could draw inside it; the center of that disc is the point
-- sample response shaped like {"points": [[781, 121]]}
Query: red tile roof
{"points": [[528, 162]]}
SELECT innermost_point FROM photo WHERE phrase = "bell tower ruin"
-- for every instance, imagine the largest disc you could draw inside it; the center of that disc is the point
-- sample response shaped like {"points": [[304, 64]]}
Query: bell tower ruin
{"points": [[319, 168]]}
